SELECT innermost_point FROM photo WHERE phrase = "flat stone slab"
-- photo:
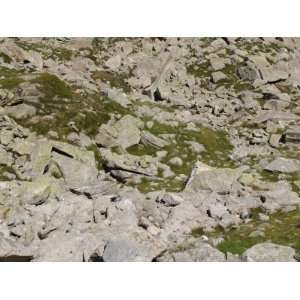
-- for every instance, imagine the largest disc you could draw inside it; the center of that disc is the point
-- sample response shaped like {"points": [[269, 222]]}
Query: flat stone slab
{"points": [[283, 165]]}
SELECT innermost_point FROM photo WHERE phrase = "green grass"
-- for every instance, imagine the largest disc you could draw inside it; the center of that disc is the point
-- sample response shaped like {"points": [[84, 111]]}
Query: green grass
{"points": [[10, 78], [5, 58], [282, 228], [51, 85]]}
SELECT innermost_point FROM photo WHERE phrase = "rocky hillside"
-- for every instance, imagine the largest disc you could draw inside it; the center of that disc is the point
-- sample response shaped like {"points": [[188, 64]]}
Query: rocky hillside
{"points": [[149, 149]]}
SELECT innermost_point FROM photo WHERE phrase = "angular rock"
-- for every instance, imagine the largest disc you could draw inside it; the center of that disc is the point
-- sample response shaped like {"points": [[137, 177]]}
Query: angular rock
{"points": [[149, 139], [204, 177], [124, 133]]}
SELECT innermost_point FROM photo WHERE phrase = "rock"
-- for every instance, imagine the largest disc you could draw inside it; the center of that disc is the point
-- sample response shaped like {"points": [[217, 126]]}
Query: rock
{"points": [[275, 140], [113, 63], [269, 252], [20, 111], [5, 157], [200, 252], [118, 97], [196, 147], [149, 139], [12, 252], [123, 251], [126, 166], [256, 233], [37, 191], [76, 173], [275, 115], [283, 165], [204, 177], [271, 75], [217, 63], [263, 217], [176, 161], [292, 134], [170, 199], [247, 73], [124, 133], [218, 76]]}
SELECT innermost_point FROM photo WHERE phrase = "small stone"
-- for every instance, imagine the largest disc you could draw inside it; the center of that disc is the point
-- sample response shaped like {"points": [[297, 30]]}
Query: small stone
{"points": [[176, 161], [218, 76], [263, 217]]}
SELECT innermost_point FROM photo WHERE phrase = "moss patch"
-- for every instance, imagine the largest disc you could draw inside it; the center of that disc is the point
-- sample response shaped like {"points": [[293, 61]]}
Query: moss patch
{"points": [[282, 228]]}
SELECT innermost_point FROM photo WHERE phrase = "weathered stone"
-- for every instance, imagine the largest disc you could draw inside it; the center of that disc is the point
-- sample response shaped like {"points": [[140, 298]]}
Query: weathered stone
{"points": [[204, 177], [123, 133], [218, 76], [284, 165], [149, 139], [76, 173], [123, 251], [114, 62], [268, 252]]}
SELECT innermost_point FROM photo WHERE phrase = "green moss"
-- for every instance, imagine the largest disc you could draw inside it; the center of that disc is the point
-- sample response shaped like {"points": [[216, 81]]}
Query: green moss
{"points": [[282, 228], [10, 78], [52, 86], [238, 246], [217, 150], [5, 58], [61, 54]]}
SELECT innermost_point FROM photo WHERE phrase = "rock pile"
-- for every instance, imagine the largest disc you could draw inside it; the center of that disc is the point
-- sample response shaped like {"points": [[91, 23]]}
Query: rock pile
{"points": [[149, 149]]}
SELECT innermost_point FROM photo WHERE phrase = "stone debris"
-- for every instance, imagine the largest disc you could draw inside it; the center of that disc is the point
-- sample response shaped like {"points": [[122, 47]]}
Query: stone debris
{"points": [[149, 149]]}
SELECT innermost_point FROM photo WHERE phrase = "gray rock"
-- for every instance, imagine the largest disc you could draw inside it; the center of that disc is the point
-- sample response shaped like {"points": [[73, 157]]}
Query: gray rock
{"points": [[10, 251], [114, 62], [200, 252], [123, 251], [218, 76], [21, 111], [247, 73], [283, 165], [292, 134], [149, 139], [217, 63], [170, 199], [124, 133], [269, 252], [204, 177], [76, 173]]}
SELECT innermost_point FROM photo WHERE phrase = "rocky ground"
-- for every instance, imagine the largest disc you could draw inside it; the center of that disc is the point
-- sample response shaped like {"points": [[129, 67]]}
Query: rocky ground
{"points": [[149, 149]]}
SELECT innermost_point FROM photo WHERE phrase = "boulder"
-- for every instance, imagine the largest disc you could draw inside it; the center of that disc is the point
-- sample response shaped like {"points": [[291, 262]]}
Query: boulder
{"points": [[204, 177], [283, 165], [123, 251], [199, 252], [269, 252], [124, 133]]}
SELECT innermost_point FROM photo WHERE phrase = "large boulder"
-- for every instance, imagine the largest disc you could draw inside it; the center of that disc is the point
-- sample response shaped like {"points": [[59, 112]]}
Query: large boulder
{"points": [[269, 252], [221, 180]]}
